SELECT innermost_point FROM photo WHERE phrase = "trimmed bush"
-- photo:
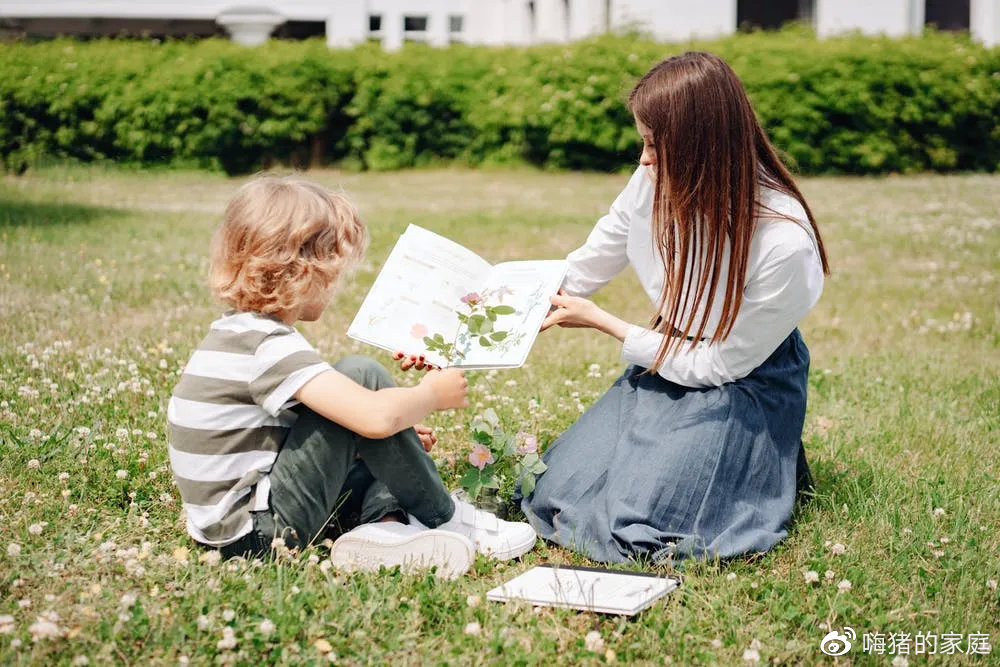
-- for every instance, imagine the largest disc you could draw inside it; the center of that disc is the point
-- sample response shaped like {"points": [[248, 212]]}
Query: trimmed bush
{"points": [[846, 105]]}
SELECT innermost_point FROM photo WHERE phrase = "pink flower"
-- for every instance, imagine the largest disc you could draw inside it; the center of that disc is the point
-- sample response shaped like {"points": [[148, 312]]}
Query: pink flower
{"points": [[471, 299], [418, 330], [481, 456], [529, 443]]}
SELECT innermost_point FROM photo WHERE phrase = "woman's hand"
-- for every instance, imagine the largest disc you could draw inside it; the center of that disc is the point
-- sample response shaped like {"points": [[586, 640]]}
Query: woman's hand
{"points": [[574, 311], [408, 361], [426, 435]]}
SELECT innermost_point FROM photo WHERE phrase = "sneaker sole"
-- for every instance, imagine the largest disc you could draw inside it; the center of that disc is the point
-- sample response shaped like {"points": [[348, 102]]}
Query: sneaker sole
{"points": [[451, 553]]}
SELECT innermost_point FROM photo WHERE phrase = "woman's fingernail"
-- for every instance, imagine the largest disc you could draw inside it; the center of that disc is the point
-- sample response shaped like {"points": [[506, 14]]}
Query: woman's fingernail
{"points": [[413, 357]]}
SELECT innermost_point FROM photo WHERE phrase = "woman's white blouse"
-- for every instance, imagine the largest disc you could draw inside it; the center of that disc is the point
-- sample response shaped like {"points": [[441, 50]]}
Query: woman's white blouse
{"points": [[783, 282]]}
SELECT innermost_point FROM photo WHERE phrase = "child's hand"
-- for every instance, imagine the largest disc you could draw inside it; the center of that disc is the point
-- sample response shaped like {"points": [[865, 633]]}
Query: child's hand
{"points": [[426, 435], [406, 362], [451, 389]]}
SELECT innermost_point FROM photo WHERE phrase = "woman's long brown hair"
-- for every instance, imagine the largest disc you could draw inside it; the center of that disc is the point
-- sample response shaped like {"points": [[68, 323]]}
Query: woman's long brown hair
{"points": [[712, 161]]}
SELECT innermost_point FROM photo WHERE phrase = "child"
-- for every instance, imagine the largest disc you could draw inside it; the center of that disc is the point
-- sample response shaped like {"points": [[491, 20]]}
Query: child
{"points": [[269, 441], [696, 450]]}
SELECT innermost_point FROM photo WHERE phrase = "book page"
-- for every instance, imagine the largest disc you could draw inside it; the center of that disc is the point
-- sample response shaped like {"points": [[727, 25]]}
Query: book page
{"points": [[590, 589], [417, 292], [525, 286]]}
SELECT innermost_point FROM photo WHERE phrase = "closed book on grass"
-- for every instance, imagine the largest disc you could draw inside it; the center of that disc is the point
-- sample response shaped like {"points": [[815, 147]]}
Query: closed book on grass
{"points": [[437, 298], [585, 588]]}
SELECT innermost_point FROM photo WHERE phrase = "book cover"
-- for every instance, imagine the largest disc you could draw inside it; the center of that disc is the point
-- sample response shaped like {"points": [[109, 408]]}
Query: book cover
{"points": [[586, 588]]}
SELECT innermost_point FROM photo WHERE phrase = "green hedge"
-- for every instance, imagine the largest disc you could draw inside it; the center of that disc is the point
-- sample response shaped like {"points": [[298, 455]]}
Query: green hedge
{"points": [[847, 105]]}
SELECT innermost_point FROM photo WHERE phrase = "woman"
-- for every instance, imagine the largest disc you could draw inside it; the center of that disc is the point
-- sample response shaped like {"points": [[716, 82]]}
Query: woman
{"points": [[696, 449]]}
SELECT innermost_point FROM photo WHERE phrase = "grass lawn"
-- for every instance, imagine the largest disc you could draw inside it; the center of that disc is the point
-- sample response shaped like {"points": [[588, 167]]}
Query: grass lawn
{"points": [[102, 299]]}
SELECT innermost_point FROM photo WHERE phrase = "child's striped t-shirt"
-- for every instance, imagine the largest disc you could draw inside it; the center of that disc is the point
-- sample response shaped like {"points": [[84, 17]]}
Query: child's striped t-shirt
{"points": [[228, 418]]}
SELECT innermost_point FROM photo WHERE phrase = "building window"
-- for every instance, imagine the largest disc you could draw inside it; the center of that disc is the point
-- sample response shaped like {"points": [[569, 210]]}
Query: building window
{"points": [[375, 26], [415, 28], [947, 14], [456, 24], [771, 14]]}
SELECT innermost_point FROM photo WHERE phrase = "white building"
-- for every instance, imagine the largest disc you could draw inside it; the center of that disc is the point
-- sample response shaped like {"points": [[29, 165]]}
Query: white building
{"points": [[440, 22]]}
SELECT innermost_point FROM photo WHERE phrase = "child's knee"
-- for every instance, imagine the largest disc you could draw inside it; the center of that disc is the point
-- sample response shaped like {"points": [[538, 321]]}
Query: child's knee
{"points": [[365, 371]]}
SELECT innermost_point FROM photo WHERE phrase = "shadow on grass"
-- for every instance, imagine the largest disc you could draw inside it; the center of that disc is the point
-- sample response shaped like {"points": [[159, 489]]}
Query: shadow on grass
{"points": [[43, 214]]}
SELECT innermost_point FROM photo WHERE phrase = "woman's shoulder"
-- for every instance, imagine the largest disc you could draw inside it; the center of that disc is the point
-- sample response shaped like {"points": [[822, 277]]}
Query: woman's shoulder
{"points": [[782, 221]]}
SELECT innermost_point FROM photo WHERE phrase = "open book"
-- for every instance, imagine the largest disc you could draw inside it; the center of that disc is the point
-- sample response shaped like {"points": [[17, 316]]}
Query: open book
{"points": [[436, 298], [585, 588]]}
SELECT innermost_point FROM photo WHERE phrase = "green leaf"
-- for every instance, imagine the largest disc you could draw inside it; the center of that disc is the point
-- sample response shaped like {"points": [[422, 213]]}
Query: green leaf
{"points": [[490, 314], [527, 484], [490, 417], [483, 437], [539, 467], [486, 327], [503, 310], [498, 335], [439, 338], [472, 482], [430, 343], [485, 342]]}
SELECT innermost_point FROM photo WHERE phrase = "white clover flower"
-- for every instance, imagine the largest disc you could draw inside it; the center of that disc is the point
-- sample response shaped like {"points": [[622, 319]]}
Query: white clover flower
{"points": [[900, 661], [13, 549], [128, 599], [473, 601], [211, 557], [121, 474], [228, 641], [228, 615], [593, 641], [121, 433], [811, 577], [325, 566], [33, 464], [80, 660], [313, 559], [829, 574], [6, 624], [938, 511], [266, 627], [731, 576], [844, 585], [751, 655], [838, 549], [37, 528], [473, 629], [716, 643], [46, 626], [204, 623], [23, 603]]}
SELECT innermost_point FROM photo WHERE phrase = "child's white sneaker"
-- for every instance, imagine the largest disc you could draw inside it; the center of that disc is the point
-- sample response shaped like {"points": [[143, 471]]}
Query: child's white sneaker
{"points": [[412, 547], [493, 537]]}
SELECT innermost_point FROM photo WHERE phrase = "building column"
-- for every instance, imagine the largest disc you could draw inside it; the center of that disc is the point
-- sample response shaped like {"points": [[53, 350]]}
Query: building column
{"points": [[437, 24], [392, 29], [984, 21], [347, 26], [552, 21]]}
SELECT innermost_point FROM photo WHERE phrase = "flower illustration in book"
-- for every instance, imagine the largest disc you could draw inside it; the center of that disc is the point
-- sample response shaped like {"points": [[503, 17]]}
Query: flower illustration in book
{"points": [[477, 325], [500, 459]]}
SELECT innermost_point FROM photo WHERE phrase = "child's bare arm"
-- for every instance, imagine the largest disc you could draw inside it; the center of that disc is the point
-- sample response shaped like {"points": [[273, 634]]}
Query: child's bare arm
{"points": [[379, 414]]}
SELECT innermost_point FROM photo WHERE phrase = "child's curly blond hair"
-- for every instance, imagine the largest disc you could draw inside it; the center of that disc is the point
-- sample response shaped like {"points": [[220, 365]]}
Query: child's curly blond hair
{"points": [[282, 239]]}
